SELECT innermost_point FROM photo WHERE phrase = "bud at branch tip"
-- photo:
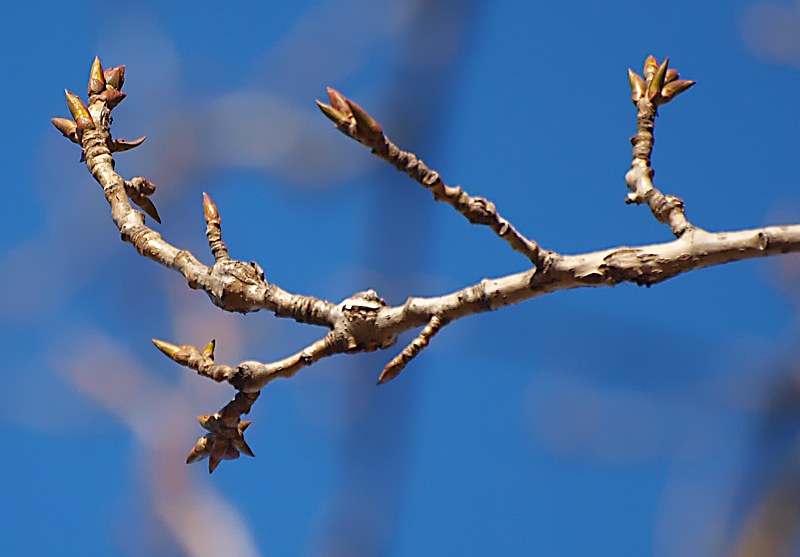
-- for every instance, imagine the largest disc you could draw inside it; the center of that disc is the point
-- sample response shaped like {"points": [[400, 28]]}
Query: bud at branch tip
{"points": [[167, 348], [209, 209]]}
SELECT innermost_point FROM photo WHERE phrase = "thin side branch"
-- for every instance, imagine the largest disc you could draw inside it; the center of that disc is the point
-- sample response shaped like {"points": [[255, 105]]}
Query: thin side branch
{"points": [[400, 361], [354, 122], [659, 87]]}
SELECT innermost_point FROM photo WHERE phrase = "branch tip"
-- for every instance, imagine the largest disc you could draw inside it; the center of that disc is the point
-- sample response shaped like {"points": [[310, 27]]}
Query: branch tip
{"points": [[210, 211], [338, 101], [167, 348], [330, 113], [399, 362], [650, 67], [97, 80]]}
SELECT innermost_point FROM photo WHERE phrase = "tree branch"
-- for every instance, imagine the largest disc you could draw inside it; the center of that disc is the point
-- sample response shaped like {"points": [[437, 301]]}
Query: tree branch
{"points": [[354, 122], [364, 322]]}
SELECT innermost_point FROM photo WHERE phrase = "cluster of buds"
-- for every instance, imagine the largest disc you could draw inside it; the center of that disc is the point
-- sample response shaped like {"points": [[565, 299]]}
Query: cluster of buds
{"points": [[660, 84], [224, 440], [351, 119], [105, 86], [225, 437]]}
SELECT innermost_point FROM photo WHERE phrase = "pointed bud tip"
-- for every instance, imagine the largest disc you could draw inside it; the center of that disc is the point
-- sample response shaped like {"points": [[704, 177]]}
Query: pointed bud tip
{"points": [[208, 351], [76, 107], [330, 113], [97, 81], [210, 211], [149, 208], [167, 348]]}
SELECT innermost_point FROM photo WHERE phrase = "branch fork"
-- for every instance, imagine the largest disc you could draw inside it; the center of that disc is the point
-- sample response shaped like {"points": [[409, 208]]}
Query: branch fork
{"points": [[364, 322]]}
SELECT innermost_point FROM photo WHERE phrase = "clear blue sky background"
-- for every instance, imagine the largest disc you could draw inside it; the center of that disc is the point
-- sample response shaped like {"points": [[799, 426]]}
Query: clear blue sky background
{"points": [[624, 422]]}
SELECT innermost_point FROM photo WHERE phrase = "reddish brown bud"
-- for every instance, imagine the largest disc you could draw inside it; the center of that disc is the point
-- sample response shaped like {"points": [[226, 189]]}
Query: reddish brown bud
{"points": [[338, 101], [112, 97], [84, 124], [148, 207], [209, 209], [115, 77], [207, 421], [199, 451], [120, 145], [217, 452], [364, 121], [231, 453], [97, 81], [67, 127]]}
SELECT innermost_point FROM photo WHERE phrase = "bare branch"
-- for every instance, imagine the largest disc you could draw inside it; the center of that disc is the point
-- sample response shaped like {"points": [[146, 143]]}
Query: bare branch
{"points": [[354, 122], [659, 87], [400, 361], [364, 322]]}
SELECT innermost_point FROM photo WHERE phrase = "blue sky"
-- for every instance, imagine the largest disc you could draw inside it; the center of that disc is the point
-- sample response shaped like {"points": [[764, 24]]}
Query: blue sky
{"points": [[624, 421]]}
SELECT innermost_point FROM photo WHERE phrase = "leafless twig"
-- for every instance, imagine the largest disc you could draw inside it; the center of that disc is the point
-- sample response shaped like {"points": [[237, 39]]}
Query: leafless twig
{"points": [[363, 322]]}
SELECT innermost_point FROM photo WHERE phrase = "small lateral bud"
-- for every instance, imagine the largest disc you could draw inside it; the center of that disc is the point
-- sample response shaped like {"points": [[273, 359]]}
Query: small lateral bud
{"points": [[675, 88], [207, 421], [208, 351], [637, 85], [671, 75], [77, 108], [148, 207], [199, 451], [67, 127], [112, 97], [331, 113], [217, 452], [338, 101], [657, 82], [364, 121], [120, 145], [650, 67], [115, 77], [209, 209], [97, 81]]}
